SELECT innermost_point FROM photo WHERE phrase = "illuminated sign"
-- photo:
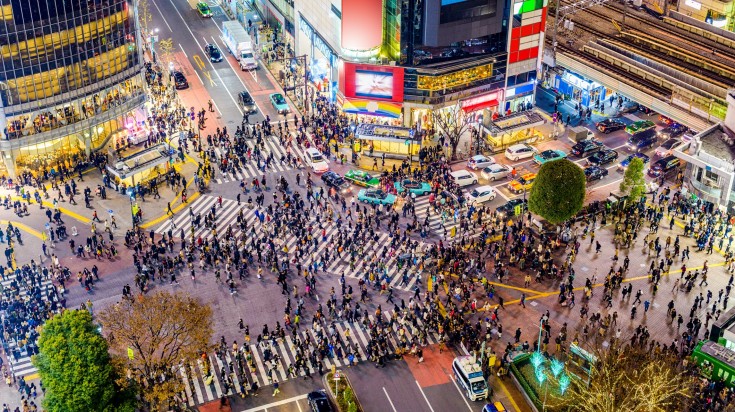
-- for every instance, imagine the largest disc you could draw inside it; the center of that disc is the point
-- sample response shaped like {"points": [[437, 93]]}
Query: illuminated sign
{"points": [[481, 102], [693, 4], [373, 84], [316, 39], [371, 81], [362, 24]]}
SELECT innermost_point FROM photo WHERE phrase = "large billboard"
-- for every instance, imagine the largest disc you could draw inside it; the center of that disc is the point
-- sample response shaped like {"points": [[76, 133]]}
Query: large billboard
{"points": [[362, 24], [372, 82]]}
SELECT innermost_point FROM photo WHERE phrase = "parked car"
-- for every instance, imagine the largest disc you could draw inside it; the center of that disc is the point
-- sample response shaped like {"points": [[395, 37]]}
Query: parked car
{"points": [[549, 156], [624, 164], [586, 147], [333, 179], [279, 103], [664, 166], [481, 194], [213, 52], [180, 81], [376, 196], [610, 125], [509, 207], [629, 107], [319, 402], [413, 186], [478, 162], [203, 9], [595, 173], [522, 183], [668, 147], [520, 151], [247, 104], [672, 130], [496, 171], [361, 178], [603, 157]]}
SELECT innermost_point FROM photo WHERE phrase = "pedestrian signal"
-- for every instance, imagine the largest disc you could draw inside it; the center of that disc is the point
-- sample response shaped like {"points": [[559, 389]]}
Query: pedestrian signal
{"points": [[517, 210]]}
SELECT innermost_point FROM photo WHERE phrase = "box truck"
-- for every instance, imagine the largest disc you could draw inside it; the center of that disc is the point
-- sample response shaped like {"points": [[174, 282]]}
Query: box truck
{"points": [[238, 42]]}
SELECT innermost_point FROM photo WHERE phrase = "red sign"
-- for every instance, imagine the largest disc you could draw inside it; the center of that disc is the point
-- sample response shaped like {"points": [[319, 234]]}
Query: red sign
{"points": [[482, 102], [366, 81], [362, 24]]}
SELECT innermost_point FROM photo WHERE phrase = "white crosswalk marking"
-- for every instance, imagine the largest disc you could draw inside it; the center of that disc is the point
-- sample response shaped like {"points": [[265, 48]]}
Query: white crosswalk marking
{"points": [[251, 169]]}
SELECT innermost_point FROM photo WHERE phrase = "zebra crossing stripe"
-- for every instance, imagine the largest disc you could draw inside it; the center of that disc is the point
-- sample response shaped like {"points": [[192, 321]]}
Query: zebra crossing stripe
{"points": [[207, 388], [259, 364], [233, 373], [197, 389], [187, 386]]}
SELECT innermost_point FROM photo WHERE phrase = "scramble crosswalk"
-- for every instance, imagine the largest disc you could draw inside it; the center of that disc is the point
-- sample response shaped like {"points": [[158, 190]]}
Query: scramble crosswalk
{"points": [[227, 217], [19, 357], [251, 169], [229, 373]]}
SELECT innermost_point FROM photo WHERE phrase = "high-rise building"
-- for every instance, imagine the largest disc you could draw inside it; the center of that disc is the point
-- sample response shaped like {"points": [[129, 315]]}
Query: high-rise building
{"points": [[70, 80], [403, 59]]}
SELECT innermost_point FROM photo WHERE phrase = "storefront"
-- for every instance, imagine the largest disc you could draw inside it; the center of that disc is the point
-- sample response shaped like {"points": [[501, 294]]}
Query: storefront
{"points": [[517, 128], [323, 59], [279, 17], [394, 142], [519, 98], [584, 92]]}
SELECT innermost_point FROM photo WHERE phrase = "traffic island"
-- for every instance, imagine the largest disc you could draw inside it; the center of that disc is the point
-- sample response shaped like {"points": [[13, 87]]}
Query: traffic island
{"points": [[341, 392], [542, 381]]}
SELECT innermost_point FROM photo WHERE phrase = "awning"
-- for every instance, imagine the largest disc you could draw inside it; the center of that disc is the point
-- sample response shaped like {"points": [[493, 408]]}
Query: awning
{"points": [[479, 106]]}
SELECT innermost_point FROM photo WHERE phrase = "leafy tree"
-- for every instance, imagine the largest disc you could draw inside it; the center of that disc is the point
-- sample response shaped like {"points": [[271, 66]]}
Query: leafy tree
{"points": [[453, 123], [558, 192], [75, 366], [631, 378], [160, 331], [634, 183]]}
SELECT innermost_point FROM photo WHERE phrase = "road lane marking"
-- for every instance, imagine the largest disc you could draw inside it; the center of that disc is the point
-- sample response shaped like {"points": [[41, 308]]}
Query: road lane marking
{"points": [[238, 78], [209, 76], [163, 17], [461, 395], [431, 408], [198, 61], [389, 401], [184, 51], [274, 404]]}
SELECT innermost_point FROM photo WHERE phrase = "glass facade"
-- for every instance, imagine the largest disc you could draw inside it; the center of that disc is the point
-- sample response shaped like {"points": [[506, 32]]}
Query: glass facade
{"points": [[69, 70]]}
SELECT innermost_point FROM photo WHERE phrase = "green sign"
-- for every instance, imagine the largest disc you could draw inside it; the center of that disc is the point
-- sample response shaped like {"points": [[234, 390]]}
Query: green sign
{"points": [[517, 210]]}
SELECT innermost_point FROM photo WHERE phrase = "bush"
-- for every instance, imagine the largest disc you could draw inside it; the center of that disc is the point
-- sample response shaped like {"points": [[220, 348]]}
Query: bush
{"points": [[345, 396]]}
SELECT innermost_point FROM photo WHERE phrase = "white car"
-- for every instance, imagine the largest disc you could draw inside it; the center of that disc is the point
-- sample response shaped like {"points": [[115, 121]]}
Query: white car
{"points": [[464, 178], [667, 147], [481, 194], [317, 160], [496, 171], [479, 162], [520, 151]]}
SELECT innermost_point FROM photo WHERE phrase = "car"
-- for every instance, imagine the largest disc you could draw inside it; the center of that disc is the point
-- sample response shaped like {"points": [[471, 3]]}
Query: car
{"points": [[376, 196], [668, 147], [180, 81], [279, 103], [464, 178], [496, 406], [479, 162], [333, 179], [522, 183], [603, 157], [413, 186], [520, 151], [481, 194], [549, 156], [213, 52], [672, 130], [319, 402], [510, 206], [629, 107], [586, 147], [247, 104], [496, 171], [610, 125], [203, 9], [624, 164], [639, 126], [664, 166], [665, 120], [317, 161], [595, 172], [641, 142], [361, 178]]}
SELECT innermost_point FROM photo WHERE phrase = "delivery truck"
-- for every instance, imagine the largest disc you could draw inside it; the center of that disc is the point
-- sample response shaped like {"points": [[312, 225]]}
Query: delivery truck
{"points": [[238, 42]]}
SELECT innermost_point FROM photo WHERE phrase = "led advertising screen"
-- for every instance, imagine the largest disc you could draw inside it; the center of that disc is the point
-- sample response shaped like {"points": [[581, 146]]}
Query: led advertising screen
{"points": [[373, 84]]}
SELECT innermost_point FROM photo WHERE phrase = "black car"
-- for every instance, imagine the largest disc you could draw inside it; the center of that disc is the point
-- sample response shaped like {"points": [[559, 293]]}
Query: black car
{"points": [[595, 172], [673, 130], [246, 102], [610, 125], [642, 140], [664, 166], [213, 52], [318, 402], [336, 181], [510, 206], [586, 147], [603, 157], [180, 81]]}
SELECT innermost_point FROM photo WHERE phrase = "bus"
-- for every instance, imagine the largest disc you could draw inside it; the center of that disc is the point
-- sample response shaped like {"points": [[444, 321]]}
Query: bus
{"points": [[468, 373], [716, 362]]}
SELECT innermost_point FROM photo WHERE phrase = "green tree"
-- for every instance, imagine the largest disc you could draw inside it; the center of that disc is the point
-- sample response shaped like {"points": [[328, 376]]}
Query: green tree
{"points": [[558, 192], [634, 183], [75, 367]]}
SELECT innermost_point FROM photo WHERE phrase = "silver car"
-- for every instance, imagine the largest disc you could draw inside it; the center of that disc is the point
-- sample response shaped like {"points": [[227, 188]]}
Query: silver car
{"points": [[496, 171]]}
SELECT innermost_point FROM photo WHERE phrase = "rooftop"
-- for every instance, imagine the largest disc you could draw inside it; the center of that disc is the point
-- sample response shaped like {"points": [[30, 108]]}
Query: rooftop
{"points": [[719, 141]]}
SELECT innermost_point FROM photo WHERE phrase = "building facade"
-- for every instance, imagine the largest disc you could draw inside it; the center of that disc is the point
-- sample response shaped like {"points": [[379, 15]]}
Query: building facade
{"points": [[400, 60], [70, 78]]}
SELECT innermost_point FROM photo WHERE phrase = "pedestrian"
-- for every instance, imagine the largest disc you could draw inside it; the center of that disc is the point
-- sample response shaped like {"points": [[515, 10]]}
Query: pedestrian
{"points": [[276, 389]]}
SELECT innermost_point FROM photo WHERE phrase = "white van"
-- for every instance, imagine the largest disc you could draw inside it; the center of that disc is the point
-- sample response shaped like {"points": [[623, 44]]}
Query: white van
{"points": [[519, 151], [464, 178], [316, 160], [469, 377]]}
